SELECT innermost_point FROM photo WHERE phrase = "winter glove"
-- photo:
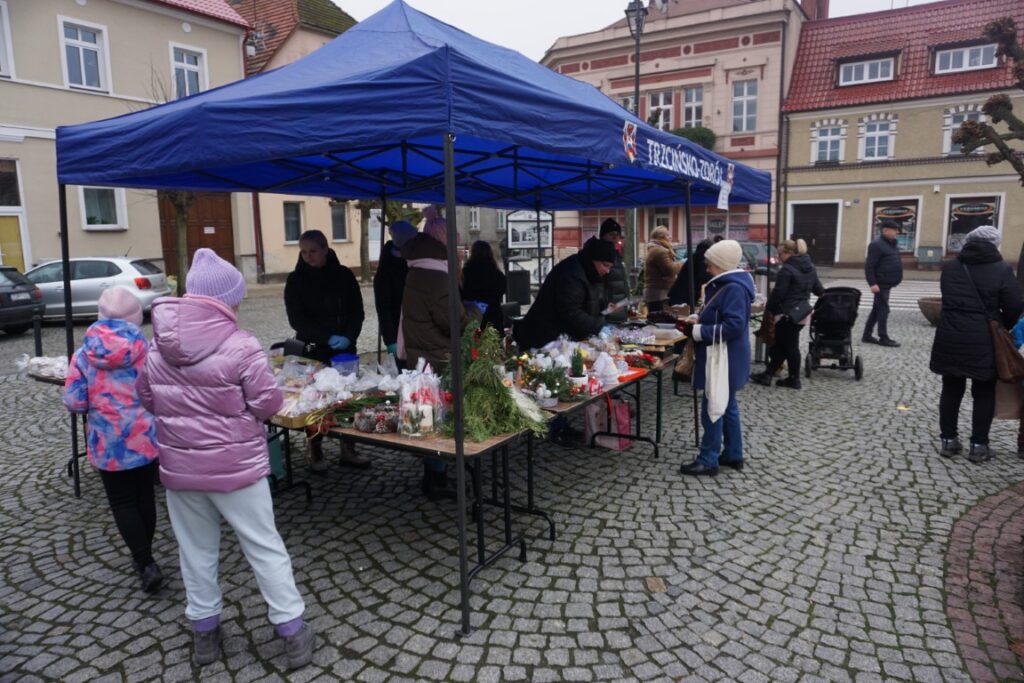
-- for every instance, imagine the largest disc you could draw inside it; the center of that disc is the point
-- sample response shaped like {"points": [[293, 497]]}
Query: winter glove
{"points": [[338, 342], [393, 349]]}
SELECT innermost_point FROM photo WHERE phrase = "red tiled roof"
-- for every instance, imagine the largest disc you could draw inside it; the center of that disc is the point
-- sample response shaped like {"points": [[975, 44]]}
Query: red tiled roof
{"points": [[275, 20], [912, 31], [215, 9]]}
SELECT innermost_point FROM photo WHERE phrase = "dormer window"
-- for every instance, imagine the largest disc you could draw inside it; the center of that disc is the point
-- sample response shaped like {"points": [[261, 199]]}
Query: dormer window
{"points": [[868, 71], [969, 58]]}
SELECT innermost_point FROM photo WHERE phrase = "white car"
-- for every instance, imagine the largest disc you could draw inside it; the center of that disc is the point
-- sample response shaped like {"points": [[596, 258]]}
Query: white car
{"points": [[90, 276]]}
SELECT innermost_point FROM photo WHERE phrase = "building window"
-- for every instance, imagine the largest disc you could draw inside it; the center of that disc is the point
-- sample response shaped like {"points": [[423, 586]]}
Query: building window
{"points": [[103, 208], [660, 110], [744, 106], [339, 221], [661, 216], [693, 106], [827, 144], [292, 221], [84, 59], [966, 214], [904, 212], [870, 71], [953, 119], [965, 59], [9, 194], [6, 58], [474, 218], [502, 216], [876, 140], [188, 72]]}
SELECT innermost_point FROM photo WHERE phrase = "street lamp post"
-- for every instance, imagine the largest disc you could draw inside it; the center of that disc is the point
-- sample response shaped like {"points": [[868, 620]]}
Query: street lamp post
{"points": [[636, 17]]}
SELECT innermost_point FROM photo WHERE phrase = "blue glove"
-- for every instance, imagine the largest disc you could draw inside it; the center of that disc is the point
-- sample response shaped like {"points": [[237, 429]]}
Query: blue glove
{"points": [[393, 349], [481, 305], [607, 331], [338, 343]]}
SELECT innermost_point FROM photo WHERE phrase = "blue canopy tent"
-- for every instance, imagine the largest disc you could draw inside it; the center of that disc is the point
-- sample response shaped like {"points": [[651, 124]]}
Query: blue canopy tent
{"points": [[405, 107]]}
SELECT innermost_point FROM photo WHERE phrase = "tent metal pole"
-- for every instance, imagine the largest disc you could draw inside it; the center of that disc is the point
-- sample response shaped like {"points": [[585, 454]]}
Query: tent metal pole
{"points": [[380, 257], [540, 254], [69, 326], [768, 254], [455, 365], [692, 302]]}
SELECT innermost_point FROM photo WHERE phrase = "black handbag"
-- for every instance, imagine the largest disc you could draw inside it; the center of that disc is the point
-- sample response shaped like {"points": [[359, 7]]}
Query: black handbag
{"points": [[798, 311]]}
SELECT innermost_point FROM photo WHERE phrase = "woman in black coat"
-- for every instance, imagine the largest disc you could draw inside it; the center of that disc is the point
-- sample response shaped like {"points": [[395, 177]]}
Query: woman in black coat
{"points": [[389, 283], [483, 281], [680, 291], [978, 285], [794, 284]]}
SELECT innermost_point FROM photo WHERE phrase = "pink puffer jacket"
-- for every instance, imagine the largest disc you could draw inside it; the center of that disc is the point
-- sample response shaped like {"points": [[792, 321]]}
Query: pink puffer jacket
{"points": [[210, 387]]}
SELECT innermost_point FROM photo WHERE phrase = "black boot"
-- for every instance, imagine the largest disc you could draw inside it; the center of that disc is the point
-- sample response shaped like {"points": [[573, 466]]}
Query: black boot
{"points": [[790, 382], [762, 378]]}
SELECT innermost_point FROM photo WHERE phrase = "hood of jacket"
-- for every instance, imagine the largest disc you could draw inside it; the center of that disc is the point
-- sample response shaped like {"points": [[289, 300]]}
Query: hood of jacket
{"points": [[979, 252], [424, 246], [187, 330], [802, 262], [739, 277], [113, 344]]}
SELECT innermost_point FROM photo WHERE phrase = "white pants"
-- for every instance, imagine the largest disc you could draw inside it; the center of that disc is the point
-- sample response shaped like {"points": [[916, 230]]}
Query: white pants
{"points": [[195, 518]]}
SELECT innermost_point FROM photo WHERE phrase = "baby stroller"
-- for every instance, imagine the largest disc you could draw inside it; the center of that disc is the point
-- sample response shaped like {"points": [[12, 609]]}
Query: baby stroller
{"points": [[831, 332]]}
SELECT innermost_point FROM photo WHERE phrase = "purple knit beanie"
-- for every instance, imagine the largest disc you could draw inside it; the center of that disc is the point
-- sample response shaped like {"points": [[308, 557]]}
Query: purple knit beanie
{"points": [[436, 226], [212, 276], [117, 303]]}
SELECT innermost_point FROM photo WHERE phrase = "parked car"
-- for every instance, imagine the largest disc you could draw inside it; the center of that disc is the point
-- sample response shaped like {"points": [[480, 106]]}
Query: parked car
{"points": [[760, 259], [90, 276], [20, 301]]}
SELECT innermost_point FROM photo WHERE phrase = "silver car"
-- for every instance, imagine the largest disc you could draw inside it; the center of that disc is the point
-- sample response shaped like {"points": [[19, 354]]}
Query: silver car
{"points": [[90, 276]]}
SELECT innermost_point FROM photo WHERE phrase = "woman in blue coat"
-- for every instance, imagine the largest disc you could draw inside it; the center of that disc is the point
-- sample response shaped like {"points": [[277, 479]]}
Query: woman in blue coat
{"points": [[725, 318]]}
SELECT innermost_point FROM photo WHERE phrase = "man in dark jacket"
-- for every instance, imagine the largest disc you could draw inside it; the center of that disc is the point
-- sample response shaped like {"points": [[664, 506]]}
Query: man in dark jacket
{"points": [[569, 301], [616, 286], [680, 292], [389, 282], [883, 270]]}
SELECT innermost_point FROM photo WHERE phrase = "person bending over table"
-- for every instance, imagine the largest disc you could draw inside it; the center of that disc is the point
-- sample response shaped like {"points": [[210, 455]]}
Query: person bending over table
{"points": [[325, 308], [569, 301], [389, 283]]}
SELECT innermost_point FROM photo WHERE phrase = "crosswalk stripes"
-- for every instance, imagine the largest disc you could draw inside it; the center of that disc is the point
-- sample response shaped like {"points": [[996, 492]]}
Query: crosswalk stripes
{"points": [[902, 298]]}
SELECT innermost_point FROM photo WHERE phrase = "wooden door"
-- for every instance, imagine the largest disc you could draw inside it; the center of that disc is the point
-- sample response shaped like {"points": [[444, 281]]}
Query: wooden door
{"points": [[210, 225], [11, 253], [817, 224]]}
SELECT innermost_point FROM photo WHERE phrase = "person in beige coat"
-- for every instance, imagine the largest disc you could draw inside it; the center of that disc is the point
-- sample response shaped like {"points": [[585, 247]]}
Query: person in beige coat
{"points": [[661, 268]]}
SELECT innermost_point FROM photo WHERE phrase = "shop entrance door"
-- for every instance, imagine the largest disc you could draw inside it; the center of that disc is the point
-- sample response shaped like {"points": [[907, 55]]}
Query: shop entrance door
{"points": [[818, 225], [11, 253]]}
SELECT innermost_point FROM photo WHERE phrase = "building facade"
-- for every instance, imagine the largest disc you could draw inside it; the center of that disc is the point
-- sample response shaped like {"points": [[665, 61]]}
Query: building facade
{"points": [[869, 119], [720, 64], [64, 62]]}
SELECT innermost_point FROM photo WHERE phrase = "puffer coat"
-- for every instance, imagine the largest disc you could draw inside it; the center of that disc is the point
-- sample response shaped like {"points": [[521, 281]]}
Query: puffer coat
{"points": [[102, 383], [963, 340], [795, 282], [323, 302], [211, 388], [569, 303], [725, 317], [883, 266]]}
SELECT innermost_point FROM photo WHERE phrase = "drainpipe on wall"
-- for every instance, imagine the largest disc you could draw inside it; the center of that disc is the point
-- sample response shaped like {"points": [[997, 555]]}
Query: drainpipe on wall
{"points": [[783, 138], [257, 226]]}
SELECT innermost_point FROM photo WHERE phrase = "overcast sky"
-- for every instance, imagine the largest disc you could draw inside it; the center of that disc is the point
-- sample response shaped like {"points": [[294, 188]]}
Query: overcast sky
{"points": [[531, 26]]}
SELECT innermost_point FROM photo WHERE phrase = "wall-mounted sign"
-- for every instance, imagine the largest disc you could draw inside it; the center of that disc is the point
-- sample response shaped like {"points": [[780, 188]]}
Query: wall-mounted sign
{"points": [[522, 229], [209, 230], [979, 209], [896, 212]]}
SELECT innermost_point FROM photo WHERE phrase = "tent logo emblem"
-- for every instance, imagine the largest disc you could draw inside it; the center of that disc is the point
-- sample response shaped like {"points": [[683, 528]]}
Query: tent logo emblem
{"points": [[629, 140]]}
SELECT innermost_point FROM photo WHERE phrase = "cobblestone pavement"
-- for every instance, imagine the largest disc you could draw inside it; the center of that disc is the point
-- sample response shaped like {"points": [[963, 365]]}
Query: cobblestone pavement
{"points": [[824, 560]]}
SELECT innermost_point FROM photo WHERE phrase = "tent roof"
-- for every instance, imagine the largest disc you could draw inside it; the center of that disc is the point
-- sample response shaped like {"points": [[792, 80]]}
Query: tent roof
{"points": [[365, 116]]}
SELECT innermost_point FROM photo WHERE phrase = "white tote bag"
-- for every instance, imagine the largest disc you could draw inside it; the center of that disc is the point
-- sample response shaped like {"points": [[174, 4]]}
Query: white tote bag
{"points": [[716, 376]]}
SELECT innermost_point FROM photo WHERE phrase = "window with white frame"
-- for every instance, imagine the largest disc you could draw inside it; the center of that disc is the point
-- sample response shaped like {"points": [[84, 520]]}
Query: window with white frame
{"points": [[965, 59], [188, 72], [744, 106], [876, 140], [292, 221], [103, 208], [693, 106], [660, 109], [502, 216], [474, 218], [869, 71], [6, 64], [953, 119], [9, 192], [84, 60], [827, 144], [339, 221]]}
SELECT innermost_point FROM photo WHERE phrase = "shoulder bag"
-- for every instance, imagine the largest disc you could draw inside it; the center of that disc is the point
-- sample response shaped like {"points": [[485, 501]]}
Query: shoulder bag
{"points": [[1009, 362]]}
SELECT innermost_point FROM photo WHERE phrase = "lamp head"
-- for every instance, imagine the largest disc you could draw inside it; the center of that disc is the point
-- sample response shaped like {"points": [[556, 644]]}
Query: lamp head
{"points": [[636, 16]]}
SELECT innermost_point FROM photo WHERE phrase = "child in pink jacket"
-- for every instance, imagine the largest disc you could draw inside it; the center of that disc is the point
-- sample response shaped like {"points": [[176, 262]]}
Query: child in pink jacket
{"points": [[211, 388], [121, 437]]}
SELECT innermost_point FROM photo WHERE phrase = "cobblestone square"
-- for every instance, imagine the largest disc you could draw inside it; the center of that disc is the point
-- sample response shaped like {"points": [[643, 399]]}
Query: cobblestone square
{"points": [[846, 550]]}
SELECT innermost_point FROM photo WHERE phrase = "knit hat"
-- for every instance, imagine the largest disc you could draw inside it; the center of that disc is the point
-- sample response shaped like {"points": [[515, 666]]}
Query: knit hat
{"points": [[436, 226], [212, 276], [984, 233], [725, 254], [600, 250], [402, 232], [117, 303], [610, 225]]}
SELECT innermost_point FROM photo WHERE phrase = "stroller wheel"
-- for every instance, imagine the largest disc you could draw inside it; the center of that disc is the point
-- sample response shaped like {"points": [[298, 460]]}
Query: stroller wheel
{"points": [[858, 368], [808, 365]]}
